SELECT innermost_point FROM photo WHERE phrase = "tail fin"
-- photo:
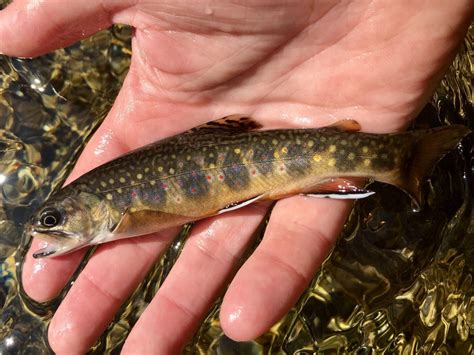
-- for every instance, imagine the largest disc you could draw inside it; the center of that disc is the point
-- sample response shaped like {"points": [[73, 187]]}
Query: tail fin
{"points": [[429, 147]]}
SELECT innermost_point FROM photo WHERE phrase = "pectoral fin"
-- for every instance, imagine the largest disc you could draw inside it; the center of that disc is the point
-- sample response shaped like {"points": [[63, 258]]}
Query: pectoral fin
{"points": [[134, 223]]}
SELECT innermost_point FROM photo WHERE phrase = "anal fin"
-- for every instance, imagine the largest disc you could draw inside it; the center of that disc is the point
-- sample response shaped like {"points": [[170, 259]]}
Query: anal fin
{"points": [[237, 205], [339, 188]]}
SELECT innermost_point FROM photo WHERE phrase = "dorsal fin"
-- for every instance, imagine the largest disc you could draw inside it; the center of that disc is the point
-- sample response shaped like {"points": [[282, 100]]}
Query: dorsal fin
{"points": [[232, 123], [347, 125]]}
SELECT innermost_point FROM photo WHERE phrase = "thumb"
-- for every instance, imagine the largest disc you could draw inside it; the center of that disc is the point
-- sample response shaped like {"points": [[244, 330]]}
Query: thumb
{"points": [[31, 27]]}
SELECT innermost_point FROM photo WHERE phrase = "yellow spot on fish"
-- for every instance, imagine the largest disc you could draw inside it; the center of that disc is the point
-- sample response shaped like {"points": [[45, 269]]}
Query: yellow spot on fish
{"points": [[152, 182], [317, 158], [323, 139], [332, 162], [284, 150], [276, 155], [147, 170], [310, 143], [139, 176], [122, 180], [264, 141], [111, 181], [365, 149], [274, 142], [160, 168], [351, 156], [173, 156], [188, 157], [109, 196], [119, 190], [211, 166], [237, 150], [211, 155], [298, 141], [366, 162], [103, 184], [332, 148], [171, 171]]}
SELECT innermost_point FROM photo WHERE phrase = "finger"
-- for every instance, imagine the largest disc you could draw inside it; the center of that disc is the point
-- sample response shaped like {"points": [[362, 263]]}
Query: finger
{"points": [[208, 259], [108, 279], [43, 279], [300, 233], [30, 28]]}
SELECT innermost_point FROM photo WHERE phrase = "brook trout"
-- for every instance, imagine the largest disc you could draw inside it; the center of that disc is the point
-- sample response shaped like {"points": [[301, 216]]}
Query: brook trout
{"points": [[228, 164]]}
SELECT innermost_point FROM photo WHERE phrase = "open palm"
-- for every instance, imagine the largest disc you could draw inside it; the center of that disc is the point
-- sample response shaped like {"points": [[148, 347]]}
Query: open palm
{"points": [[287, 64]]}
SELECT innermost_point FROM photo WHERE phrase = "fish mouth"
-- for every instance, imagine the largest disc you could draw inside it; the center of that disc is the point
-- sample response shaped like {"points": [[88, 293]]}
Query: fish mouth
{"points": [[48, 250], [58, 242], [52, 248]]}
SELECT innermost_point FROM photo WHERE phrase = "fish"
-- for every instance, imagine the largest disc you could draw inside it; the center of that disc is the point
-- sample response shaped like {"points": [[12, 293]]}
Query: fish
{"points": [[228, 164]]}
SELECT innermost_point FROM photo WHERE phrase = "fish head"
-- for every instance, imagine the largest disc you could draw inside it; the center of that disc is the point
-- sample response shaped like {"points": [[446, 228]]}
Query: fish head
{"points": [[69, 222]]}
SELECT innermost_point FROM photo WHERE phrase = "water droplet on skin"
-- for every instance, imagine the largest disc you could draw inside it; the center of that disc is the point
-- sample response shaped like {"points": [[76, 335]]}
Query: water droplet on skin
{"points": [[38, 266], [65, 328], [103, 142], [33, 5], [235, 315]]}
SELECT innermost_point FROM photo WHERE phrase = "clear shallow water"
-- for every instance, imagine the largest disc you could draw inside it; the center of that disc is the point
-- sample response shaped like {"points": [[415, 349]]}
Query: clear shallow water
{"points": [[397, 282]]}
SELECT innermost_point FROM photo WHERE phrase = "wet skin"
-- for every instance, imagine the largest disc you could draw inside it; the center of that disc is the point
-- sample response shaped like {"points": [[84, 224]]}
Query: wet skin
{"points": [[305, 65]]}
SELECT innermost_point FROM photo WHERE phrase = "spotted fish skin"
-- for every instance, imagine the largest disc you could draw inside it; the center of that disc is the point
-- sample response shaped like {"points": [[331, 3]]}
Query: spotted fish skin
{"points": [[201, 172]]}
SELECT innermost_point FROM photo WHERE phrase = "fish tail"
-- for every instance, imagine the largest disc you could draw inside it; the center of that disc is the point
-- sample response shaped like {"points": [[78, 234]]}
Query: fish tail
{"points": [[421, 157]]}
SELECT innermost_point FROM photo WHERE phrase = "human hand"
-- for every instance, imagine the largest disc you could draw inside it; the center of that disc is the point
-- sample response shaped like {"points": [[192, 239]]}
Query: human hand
{"points": [[300, 64]]}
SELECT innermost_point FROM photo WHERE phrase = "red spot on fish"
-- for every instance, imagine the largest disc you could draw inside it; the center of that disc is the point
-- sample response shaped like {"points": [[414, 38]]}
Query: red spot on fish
{"points": [[193, 190], [254, 172], [134, 194], [165, 186], [209, 177], [221, 177]]}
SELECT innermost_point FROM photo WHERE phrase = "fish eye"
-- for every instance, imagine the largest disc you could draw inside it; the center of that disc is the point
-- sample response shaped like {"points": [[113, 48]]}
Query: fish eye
{"points": [[50, 217]]}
